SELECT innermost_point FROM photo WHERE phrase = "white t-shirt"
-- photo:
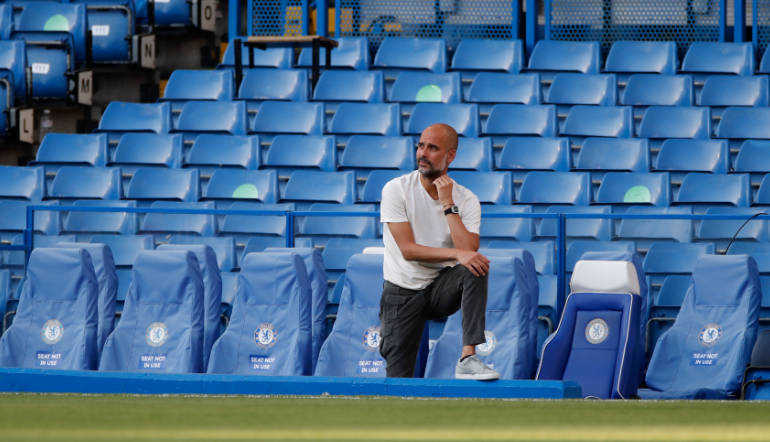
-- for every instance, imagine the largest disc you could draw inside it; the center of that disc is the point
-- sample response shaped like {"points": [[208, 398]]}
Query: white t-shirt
{"points": [[404, 199]]}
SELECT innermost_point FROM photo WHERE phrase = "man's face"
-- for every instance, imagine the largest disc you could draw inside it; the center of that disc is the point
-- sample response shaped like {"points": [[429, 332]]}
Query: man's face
{"points": [[433, 154]]}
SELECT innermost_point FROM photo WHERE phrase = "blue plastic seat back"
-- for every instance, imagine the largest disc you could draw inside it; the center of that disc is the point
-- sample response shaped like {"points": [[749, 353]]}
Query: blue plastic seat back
{"points": [[428, 54], [694, 156], [13, 58], [472, 154], [742, 122], [524, 153], [571, 88], [656, 229], [278, 58], [125, 248], [306, 185], [162, 222], [6, 21], [596, 228], [224, 248], [289, 117], [642, 56], [46, 20], [82, 182], [760, 251], [149, 150], [511, 311], [112, 27], [599, 121], [256, 224], [379, 152], [672, 291], [720, 58], [568, 56], [213, 116], [236, 184], [727, 90], [542, 252], [270, 329], [675, 122], [518, 228], [657, 90], [164, 184], [136, 117], [372, 192], [212, 290], [352, 348], [556, 188], [754, 156], [50, 67], [366, 118], [515, 119], [709, 188], [366, 86], [302, 151], [665, 257], [169, 13], [415, 87], [580, 247], [100, 222], [23, 183], [495, 87], [56, 322], [14, 217], [274, 84], [488, 55], [622, 154], [73, 148], [217, 150], [351, 53], [200, 85], [356, 226], [489, 187], [703, 355], [464, 118], [634, 188], [161, 326], [756, 230], [338, 251]]}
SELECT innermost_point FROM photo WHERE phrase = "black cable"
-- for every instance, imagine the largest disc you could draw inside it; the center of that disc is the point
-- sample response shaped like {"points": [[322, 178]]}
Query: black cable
{"points": [[741, 228]]}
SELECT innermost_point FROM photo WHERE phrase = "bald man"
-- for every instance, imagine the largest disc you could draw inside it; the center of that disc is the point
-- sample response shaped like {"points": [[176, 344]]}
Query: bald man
{"points": [[431, 266]]}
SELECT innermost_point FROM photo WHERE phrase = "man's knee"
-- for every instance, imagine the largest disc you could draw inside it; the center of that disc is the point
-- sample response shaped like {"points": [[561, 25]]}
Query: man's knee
{"points": [[467, 276]]}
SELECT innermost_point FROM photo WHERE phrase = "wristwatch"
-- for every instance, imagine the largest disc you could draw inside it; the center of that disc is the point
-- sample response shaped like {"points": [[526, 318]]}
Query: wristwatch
{"points": [[452, 209]]}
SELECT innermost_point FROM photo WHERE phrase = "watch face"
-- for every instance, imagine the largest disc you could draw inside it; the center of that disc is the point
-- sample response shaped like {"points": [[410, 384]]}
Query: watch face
{"points": [[455, 209]]}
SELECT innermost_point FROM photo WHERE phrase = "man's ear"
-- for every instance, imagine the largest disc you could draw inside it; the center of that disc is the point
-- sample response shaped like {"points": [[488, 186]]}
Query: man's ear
{"points": [[451, 156]]}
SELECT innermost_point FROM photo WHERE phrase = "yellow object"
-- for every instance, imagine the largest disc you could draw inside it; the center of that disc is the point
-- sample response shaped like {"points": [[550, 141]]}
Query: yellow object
{"points": [[162, 87], [293, 20], [222, 50], [346, 20]]}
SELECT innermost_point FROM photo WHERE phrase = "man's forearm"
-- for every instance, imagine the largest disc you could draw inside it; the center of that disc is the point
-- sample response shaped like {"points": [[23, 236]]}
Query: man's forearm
{"points": [[461, 237], [417, 252]]}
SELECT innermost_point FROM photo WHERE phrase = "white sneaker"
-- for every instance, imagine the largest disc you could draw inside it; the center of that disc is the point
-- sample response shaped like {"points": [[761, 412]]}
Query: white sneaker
{"points": [[472, 368]]}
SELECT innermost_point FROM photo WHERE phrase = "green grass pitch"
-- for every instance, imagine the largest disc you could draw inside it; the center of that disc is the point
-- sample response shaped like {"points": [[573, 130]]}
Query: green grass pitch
{"points": [[48, 417]]}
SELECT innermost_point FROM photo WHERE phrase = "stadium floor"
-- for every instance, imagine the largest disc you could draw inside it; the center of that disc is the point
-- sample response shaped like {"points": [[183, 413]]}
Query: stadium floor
{"points": [[123, 418]]}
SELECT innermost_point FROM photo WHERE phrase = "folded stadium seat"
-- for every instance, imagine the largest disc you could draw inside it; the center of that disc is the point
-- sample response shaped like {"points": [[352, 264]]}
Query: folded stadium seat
{"points": [[703, 355], [211, 152], [352, 348], [679, 156], [281, 117], [15, 261], [308, 186], [524, 154], [218, 117], [740, 123], [593, 228], [541, 188], [169, 13], [260, 230], [542, 251], [161, 327], [722, 232], [667, 258], [212, 290], [124, 249], [364, 119], [489, 88], [569, 89], [551, 56], [489, 187], [79, 182], [641, 57], [507, 120], [481, 56], [598, 121], [336, 254], [163, 224], [622, 189], [472, 154], [704, 189], [377, 179], [55, 48], [647, 231], [14, 219], [197, 85], [643, 90], [397, 54], [753, 158], [666, 305], [321, 228], [270, 327], [579, 247], [13, 61], [107, 282], [597, 343], [6, 21], [119, 118], [464, 118], [363, 153], [135, 151], [163, 184], [720, 91], [5, 290], [660, 122], [260, 85], [511, 321], [22, 183], [419, 87], [704, 58], [754, 386], [598, 155], [84, 224], [761, 254], [337, 86], [546, 308], [224, 248], [57, 150], [112, 24], [763, 194], [288, 153], [492, 228], [227, 185], [351, 53], [318, 286], [277, 58], [56, 323]]}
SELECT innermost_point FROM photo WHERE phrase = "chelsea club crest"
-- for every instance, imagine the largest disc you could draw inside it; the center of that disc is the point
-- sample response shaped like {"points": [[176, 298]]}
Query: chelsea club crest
{"points": [[265, 335], [156, 334], [372, 338], [597, 331], [710, 334], [489, 346], [52, 331]]}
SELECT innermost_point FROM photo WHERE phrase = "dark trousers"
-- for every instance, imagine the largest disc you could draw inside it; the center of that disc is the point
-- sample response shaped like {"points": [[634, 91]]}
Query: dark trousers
{"points": [[403, 313]]}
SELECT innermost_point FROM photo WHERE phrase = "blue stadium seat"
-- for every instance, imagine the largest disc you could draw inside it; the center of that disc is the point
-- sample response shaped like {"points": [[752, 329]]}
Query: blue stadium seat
{"points": [[56, 323], [352, 348], [351, 53], [599, 121], [224, 248], [244, 227], [634, 188], [14, 218], [13, 59], [378, 152], [81, 182], [578, 248], [703, 355], [657, 90], [542, 251], [365, 86], [668, 258], [619, 154], [753, 156], [278, 58], [273, 84], [706, 188], [763, 194], [594, 228], [404, 53], [719, 58], [372, 192], [59, 149], [5, 290], [494, 87], [163, 224], [524, 154], [212, 290], [675, 122], [135, 151], [237, 184], [164, 184], [366, 118], [336, 255], [653, 57], [670, 297], [6, 100], [112, 25], [646, 231], [711, 230], [464, 118], [764, 64], [416, 87], [511, 317], [505, 228], [726, 90], [489, 187], [685, 155], [161, 326], [571, 88], [16, 260], [289, 117], [222, 117], [125, 248], [359, 227], [556, 188], [473, 56], [170, 13], [743, 122], [760, 251], [272, 308], [313, 186], [119, 118], [210, 152], [472, 154], [209, 85], [23, 183], [565, 56], [6, 21], [516, 119], [302, 152], [100, 222]]}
